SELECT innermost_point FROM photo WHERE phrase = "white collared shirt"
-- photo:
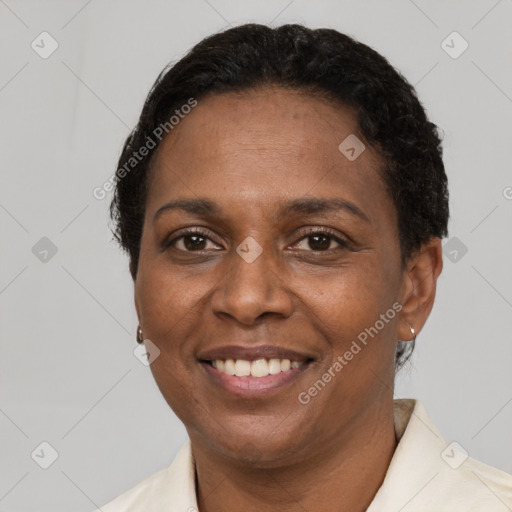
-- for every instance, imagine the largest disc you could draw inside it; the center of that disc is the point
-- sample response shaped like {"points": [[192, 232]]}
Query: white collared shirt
{"points": [[425, 475]]}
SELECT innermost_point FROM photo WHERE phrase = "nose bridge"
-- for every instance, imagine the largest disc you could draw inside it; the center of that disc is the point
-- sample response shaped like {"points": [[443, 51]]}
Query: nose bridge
{"points": [[252, 285], [253, 263]]}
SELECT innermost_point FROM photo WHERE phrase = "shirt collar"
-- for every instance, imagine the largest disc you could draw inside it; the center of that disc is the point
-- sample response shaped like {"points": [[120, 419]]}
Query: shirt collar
{"points": [[416, 461]]}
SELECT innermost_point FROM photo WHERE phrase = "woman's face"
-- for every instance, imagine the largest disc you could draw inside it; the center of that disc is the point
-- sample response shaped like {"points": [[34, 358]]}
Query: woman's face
{"points": [[252, 283]]}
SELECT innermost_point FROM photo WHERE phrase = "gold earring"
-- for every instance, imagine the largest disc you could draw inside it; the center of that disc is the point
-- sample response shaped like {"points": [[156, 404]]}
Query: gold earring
{"points": [[413, 332], [140, 336]]}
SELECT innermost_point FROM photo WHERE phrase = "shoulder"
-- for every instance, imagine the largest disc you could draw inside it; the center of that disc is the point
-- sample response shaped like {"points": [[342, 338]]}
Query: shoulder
{"points": [[465, 483], [138, 496], [427, 474], [481, 486], [168, 490]]}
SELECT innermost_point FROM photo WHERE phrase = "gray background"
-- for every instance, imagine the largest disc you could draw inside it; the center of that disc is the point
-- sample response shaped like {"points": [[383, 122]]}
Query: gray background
{"points": [[68, 373]]}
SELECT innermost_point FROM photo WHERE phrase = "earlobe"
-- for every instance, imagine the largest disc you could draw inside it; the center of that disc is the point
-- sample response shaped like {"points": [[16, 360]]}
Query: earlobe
{"points": [[419, 288], [135, 301], [140, 336]]}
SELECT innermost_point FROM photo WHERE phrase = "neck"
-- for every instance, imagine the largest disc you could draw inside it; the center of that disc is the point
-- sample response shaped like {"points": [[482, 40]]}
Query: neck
{"points": [[341, 475]]}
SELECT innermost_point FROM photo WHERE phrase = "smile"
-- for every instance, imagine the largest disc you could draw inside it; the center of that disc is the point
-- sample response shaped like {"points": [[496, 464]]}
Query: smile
{"points": [[258, 368], [253, 379], [253, 371]]}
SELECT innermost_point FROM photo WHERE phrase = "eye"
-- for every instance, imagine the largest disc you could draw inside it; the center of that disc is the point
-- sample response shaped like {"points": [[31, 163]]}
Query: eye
{"points": [[317, 240], [320, 240], [190, 240]]}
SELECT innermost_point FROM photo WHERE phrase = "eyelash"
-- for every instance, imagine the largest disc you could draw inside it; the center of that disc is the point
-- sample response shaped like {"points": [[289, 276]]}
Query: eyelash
{"points": [[305, 234]]}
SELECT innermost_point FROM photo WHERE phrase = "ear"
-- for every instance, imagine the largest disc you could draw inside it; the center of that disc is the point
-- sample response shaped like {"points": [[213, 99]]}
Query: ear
{"points": [[136, 302], [418, 290]]}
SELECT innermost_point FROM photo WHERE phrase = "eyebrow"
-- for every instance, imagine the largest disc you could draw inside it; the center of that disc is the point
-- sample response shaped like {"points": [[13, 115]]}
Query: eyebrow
{"points": [[299, 206]]}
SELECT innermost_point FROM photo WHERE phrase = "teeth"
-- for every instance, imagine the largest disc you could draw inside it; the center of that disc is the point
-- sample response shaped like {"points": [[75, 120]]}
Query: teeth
{"points": [[257, 368], [229, 366], [274, 366], [242, 368]]}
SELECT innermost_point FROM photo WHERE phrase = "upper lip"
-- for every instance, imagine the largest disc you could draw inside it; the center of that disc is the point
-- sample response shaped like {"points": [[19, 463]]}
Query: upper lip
{"points": [[251, 353]]}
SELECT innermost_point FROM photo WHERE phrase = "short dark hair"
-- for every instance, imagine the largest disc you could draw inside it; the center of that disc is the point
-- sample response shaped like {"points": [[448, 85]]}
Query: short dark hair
{"points": [[324, 62]]}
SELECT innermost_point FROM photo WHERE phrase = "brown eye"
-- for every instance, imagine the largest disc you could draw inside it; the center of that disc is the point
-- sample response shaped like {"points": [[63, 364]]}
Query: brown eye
{"points": [[317, 242], [193, 240], [320, 241]]}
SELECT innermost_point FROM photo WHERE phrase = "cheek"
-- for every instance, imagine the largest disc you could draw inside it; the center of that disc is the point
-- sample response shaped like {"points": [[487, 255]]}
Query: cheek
{"points": [[357, 314], [352, 299], [167, 301], [357, 322], [177, 387], [165, 316], [170, 310]]}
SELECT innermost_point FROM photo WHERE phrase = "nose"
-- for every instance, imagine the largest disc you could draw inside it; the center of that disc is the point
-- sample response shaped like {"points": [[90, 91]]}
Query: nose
{"points": [[252, 289]]}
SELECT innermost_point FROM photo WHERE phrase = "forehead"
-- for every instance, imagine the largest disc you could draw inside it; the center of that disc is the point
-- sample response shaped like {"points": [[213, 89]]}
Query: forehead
{"points": [[259, 148]]}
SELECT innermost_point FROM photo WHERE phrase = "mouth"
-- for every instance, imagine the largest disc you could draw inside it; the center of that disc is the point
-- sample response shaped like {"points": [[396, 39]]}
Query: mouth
{"points": [[258, 368], [253, 372]]}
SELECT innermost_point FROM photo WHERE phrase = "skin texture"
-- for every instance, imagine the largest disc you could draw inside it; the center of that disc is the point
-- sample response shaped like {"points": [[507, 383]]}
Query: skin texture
{"points": [[251, 153]]}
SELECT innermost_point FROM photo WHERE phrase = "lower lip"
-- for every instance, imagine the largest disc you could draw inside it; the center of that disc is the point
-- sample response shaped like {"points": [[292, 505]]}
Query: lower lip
{"points": [[253, 386]]}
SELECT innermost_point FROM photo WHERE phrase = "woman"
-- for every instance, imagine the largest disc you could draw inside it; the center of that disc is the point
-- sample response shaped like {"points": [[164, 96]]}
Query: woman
{"points": [[282, 201]]}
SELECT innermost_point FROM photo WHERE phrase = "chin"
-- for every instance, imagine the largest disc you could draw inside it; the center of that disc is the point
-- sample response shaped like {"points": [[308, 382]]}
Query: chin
{"points": [[255, 447]]}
